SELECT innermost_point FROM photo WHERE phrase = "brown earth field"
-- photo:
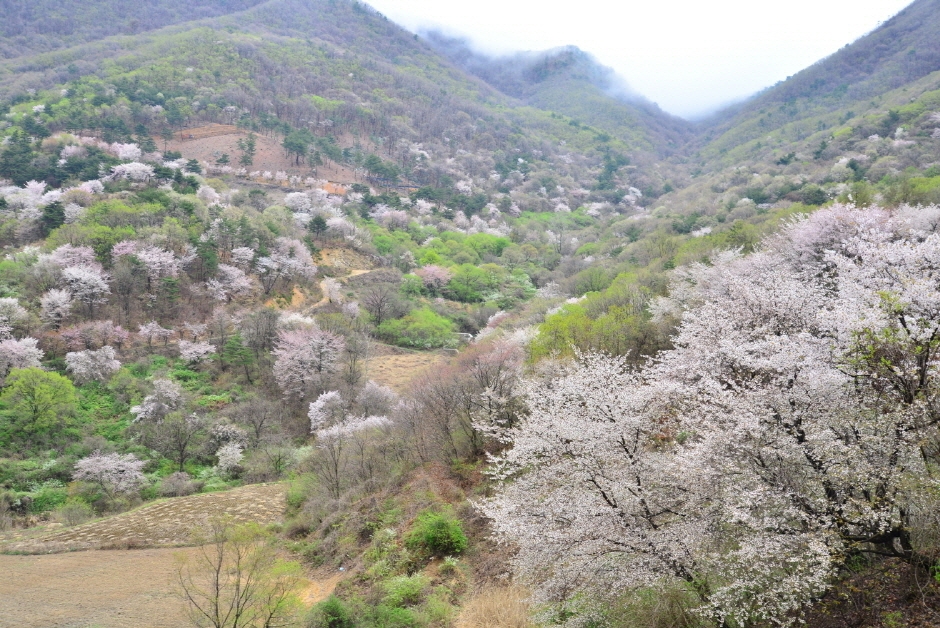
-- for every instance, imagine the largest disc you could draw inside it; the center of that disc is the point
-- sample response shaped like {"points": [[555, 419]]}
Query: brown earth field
{"points": [[106, 589], [397, 368], [123, 588], [213, 140]]}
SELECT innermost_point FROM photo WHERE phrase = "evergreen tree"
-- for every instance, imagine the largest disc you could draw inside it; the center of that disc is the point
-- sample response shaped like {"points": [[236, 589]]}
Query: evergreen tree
{"points": [[16, 160], [53, 217], [236, 353], [317, 225]]}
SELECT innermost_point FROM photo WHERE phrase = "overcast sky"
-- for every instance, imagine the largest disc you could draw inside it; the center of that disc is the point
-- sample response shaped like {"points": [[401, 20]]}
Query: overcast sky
{"points": [[690, 56]]}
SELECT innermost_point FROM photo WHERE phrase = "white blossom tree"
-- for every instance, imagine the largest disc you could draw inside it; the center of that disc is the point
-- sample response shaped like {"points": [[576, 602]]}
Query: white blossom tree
{"points": [[56, 305], [794, 425], [167, 397], [289, 259], [87, 284], [152, 330], [86, 366], [195, 351], [114, 474], [305, 356], [19, 354], [229, 283]]}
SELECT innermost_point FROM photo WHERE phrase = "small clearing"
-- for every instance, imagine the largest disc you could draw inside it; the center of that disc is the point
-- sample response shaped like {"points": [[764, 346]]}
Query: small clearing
{"points": [[211, 141], [166, 523], [397, 369]]}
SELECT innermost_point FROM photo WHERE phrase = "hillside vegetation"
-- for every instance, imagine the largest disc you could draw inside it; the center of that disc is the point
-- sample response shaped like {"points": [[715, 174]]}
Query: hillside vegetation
{"points": [[476, 319]]}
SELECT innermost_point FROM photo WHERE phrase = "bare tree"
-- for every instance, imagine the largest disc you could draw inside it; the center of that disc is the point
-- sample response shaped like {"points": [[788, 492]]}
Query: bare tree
{"points": [[235, 579]]}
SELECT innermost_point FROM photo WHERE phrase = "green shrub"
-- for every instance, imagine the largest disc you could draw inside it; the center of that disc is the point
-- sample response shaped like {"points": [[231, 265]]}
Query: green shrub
{"points": [[382, 616], [436, 534], [73, 513], [48, 498], [422, 328], [330, 613], [402, 591]]}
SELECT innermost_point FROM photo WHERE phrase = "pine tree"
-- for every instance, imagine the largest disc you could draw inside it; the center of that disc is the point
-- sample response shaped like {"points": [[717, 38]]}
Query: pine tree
{"points": [[237, 354]]}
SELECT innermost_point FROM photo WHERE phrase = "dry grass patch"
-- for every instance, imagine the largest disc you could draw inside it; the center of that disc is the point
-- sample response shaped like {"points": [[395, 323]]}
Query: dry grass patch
{"points": [[496, 607], [398, 371]]}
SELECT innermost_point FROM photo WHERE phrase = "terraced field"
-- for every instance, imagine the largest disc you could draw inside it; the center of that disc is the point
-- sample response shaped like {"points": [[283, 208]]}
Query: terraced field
{"points": [[166, 523], [133, 584]]}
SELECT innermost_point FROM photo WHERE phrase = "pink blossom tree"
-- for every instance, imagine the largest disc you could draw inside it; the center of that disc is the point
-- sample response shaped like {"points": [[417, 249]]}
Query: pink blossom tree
{"points": [[434, 277]]}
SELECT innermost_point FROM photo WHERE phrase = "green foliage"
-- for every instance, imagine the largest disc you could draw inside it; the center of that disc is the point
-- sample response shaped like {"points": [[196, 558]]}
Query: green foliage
{"points": [[402, 591], [53, 216], [330, 613], [47, 498], [436, 534], [422, 328], [36, 408]]}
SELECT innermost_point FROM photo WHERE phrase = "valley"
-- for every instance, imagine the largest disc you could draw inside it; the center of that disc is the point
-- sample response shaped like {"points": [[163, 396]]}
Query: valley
{"points": [[404, 335]]}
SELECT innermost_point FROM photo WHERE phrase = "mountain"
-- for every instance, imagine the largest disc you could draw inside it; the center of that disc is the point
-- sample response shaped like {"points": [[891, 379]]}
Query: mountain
{"points": [[571, 82], [901, 52], [43, 25]]}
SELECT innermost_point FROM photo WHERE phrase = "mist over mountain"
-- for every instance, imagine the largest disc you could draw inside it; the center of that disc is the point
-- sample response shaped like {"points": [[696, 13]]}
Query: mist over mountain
{"points": [[569, 81]]}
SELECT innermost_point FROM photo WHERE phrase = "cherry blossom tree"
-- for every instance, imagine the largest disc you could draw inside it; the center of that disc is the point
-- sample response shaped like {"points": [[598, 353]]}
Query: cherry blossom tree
{"points": [[158, 262], [195, 351], [229, 458], [333, 290], [434, 277], [289, 259], [87, 284], [68, 255], [12, 314], [229, 283], [195, 330], [243, 256], [114, 474], [56, 305], [87, 366], [94, 335], [19, 354], [303, 357], [167, 397], [153, 330], [325, 410], [338, 443], [793, 426]]}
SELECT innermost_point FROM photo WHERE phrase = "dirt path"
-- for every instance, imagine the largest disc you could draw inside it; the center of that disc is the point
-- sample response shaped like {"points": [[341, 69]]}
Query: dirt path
{"points": [[326, 298], [164, 523]]}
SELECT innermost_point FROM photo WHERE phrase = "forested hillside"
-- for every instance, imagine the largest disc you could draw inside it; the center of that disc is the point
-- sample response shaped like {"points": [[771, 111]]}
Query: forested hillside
{"points": [[501, 335]]}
